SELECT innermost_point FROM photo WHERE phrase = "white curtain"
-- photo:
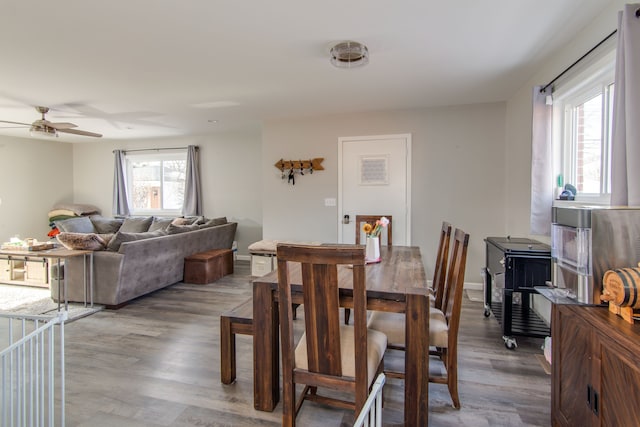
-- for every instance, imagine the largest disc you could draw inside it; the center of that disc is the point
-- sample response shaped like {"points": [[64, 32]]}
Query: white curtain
{"points": [[541, 163], [625, 149], [192, 204], [120, 201]]}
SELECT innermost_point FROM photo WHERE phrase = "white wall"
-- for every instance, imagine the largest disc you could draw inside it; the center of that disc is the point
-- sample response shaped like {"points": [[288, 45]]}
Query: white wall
{"points": [[458, 172], [518, 121], [231, 174], [518, 127], [34, 175]]}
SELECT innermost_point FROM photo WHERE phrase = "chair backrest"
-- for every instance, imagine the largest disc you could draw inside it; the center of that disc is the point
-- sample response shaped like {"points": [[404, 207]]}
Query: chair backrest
{"points": [[319, 266], [455, 283], [440, 269], [371, 219]]}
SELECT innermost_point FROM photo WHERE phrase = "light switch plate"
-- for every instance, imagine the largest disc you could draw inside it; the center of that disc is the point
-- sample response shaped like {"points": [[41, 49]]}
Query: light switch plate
{"points": [[330, 201]]}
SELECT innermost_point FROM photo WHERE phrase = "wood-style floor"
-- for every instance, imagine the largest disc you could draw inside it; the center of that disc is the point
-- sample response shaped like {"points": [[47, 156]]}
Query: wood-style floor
{"points": [[156, 362]]}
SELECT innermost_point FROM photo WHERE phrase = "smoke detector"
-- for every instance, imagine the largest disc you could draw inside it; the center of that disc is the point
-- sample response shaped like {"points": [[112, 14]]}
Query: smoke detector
{"points": [[349, 54]]}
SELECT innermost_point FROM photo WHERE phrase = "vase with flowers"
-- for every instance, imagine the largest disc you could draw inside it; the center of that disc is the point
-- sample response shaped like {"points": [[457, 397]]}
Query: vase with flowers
{"points": [[372, 232]]}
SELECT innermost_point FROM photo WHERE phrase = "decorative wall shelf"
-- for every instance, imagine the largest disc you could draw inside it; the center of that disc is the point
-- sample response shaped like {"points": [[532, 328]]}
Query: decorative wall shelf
{"points": [[291, 168]]}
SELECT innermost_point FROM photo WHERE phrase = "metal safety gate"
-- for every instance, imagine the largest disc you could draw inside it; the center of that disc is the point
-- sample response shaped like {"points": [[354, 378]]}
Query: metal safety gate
{"points": [[32, 370]]}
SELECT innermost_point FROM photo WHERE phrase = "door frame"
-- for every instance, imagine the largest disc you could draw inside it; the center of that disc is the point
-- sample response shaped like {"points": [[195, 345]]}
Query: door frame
{"points": [[407, 138]]}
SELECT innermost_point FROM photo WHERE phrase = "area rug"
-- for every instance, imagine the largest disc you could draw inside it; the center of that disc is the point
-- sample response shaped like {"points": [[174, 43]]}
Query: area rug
{"points": [[37, 301]]}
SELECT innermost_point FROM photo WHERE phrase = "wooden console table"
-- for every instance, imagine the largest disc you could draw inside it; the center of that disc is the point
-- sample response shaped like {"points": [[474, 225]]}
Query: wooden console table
{"points": [[58, 254]]}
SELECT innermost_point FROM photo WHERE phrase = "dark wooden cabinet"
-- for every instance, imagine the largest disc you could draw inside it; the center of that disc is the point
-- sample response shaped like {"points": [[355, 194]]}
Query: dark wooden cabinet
{"points": [[596, 368]]}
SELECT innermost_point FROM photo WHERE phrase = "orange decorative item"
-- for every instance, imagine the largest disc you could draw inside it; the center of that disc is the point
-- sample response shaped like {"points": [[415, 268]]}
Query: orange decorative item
{"points": [[621, 290]]}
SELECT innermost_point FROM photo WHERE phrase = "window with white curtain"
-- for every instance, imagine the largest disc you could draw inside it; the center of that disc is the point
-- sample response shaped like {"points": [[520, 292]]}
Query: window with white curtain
{"points": [[582, 123], [156, 181]]}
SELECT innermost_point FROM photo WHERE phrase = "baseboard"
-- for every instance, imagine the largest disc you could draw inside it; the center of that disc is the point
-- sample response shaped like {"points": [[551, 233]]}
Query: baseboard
{"points": [[243, 257], [473, 286]]}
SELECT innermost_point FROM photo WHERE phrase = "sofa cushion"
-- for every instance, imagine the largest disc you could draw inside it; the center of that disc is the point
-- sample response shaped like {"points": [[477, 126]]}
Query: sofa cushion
{"points": [[175, 229], [81, 224], [105, 225], [160, 223], [81, 241], [136, 224], [121, 237]]}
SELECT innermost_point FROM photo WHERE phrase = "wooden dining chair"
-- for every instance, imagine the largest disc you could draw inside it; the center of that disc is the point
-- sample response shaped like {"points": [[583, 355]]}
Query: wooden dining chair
{"points": [[328, 355], [443, 325], [440, 269], [369, 219]]}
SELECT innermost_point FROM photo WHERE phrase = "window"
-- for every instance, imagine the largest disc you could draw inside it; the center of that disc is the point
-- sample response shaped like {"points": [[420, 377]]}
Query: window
{"points": [[156, 182], [582, 131]]}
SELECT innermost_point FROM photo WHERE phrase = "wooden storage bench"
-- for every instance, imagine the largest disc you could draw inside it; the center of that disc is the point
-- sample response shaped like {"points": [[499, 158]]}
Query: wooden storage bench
{"points": [[207, 267]]}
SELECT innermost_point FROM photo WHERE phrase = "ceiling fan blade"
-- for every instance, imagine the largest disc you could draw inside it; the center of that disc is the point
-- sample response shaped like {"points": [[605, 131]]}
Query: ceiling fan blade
{"points": [[80, 132], [61, 125], [15, 123]]}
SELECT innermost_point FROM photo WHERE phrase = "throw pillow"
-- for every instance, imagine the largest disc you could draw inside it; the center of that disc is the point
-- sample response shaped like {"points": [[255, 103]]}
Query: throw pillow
{"points": [[106, 225], [160, 223], [81, 224], [215, 221], [175, 229], [136, 224], [106, 237], [121, 237], [81, 241], [184, 221]]}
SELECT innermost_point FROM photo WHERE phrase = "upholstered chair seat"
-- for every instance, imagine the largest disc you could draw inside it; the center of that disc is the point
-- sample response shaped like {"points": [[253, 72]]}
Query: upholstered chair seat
{"points": [[376, 346]]}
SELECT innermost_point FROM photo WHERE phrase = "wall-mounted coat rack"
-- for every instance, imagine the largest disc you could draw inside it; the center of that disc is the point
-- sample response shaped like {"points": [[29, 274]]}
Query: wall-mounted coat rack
{"points": [[291, 168]]}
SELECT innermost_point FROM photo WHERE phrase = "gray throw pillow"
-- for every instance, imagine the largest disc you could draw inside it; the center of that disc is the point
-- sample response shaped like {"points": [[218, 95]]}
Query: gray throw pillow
{"points": [[104, 225], [81, 224], [160, 223], [176, 229], [81, 241], [213, 222], [136, 224], [121, 237]]}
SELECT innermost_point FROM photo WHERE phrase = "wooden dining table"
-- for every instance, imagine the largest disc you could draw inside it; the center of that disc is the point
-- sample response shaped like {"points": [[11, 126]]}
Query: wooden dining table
{"points": [[396, 284]]}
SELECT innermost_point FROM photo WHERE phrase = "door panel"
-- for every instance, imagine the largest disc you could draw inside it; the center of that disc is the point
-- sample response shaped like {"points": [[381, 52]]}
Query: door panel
{"points": [[374, 180]]}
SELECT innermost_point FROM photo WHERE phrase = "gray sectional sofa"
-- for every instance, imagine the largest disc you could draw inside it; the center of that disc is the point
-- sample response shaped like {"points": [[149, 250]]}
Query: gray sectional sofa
{"points": [[134, 263]]}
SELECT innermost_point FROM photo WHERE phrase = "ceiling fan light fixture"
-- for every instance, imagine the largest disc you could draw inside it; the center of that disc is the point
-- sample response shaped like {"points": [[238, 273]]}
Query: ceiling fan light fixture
{"points": [[349, 54], [46, 131]]}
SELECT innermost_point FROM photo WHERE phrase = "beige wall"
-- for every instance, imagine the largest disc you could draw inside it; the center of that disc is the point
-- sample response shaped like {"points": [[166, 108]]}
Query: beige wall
{"points": [[458, 174], [34, 175], [231, 173]]}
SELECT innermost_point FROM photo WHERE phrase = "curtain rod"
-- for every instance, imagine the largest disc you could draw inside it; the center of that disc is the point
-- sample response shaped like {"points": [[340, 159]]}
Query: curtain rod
{"points": [[582, 57], [156, 149]]}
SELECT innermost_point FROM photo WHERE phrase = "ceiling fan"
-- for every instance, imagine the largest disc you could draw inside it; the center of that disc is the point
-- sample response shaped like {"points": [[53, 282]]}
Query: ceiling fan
{"points": [[44, 127]]}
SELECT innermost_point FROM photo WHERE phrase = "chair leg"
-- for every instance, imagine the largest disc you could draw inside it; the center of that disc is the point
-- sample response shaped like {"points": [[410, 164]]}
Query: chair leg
{"points": [[227, 352], [347, 315], [452, 377], [288, 404]]}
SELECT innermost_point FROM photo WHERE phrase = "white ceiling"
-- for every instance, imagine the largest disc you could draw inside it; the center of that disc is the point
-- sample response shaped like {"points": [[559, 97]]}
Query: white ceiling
{"points": [[141, 68]]}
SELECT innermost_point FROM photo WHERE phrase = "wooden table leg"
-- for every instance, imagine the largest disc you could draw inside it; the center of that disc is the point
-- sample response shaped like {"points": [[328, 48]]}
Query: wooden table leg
{"points": [[416, 392], [266, 352]]}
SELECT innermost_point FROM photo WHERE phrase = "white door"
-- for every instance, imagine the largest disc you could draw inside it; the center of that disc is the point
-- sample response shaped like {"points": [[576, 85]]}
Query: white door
{"points": [[374, 179]]}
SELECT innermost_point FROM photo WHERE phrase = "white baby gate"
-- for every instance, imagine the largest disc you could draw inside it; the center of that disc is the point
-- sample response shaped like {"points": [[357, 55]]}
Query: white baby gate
{"points": [[32, 378], [371, 413]]}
